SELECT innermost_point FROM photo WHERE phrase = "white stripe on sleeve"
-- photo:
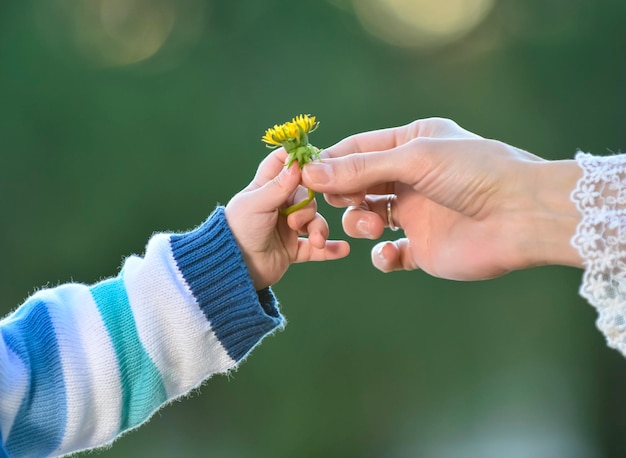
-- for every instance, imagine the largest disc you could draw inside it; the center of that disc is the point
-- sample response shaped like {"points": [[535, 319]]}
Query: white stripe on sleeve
{"points": [[170, 324], [90, 368]]}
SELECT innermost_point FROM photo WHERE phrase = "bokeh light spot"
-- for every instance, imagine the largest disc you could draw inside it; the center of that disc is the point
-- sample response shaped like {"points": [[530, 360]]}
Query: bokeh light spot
{"points": [[421, 23], [123, 32], [120, 33]]}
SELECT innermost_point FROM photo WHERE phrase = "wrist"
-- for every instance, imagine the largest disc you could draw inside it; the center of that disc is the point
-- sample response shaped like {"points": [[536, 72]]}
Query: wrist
{"points": [[552, 217]]}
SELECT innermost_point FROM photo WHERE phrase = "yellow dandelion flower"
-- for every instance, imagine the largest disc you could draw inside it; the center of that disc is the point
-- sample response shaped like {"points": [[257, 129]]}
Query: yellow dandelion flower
{"points": [[293, 133], [294, 137], [274, 136], [305, 122]]}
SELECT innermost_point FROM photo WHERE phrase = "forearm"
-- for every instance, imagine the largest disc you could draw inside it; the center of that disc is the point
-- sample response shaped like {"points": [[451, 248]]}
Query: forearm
{"points": [[580, 220], [79, 365], [551, 217]]}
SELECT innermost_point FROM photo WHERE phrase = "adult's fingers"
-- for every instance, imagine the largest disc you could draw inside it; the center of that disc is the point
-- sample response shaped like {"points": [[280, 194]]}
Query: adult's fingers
{"points": [[395, 255], [369, 219], [351, 174], [356, 173], [385, 139], [376, 140], [342, 201]]}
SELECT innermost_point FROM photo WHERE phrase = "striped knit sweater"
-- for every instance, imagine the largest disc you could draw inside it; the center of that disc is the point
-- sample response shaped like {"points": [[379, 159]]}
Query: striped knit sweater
{"points": [[79, 365]]}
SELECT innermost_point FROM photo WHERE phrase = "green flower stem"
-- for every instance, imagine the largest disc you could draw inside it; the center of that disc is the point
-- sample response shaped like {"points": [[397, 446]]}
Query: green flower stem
{"points": [[299, 205]]}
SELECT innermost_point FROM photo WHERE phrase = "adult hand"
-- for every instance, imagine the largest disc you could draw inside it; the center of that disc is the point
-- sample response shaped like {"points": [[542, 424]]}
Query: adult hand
{"points": [[471, 208]]}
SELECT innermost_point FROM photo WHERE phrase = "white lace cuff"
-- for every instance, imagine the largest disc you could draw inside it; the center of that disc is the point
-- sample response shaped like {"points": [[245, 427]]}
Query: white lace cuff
{"points": [[600, 238]]}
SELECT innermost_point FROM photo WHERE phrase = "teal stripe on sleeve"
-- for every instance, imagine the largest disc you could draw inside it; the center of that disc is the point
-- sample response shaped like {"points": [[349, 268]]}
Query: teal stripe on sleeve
{"points": [[143, 390]]}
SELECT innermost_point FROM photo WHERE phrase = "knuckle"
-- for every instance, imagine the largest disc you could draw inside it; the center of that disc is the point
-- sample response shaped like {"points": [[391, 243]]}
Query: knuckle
{"points": [[358, 167], [432, 126]]}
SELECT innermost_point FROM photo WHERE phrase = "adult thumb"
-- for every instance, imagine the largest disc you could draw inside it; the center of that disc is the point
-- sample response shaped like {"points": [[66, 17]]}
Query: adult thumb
{"points": [[355, 172]]}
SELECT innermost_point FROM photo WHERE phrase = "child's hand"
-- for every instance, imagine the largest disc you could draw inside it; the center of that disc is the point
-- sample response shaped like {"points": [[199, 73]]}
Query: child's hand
{"points": [[270, 242]]}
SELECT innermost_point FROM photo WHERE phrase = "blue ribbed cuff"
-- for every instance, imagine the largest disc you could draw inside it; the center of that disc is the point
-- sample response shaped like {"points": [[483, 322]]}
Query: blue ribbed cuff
{"points": [[212, 264]]}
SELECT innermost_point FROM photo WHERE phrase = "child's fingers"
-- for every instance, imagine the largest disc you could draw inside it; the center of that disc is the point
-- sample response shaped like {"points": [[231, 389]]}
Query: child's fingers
{"points": [[270, 167], [318, 230], [333, 249], [308, 222], [275, 192], [298, 220]]}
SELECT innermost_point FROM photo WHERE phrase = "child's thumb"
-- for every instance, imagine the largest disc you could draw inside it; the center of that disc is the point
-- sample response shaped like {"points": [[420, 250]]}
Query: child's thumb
{"points": [[278, 190]]}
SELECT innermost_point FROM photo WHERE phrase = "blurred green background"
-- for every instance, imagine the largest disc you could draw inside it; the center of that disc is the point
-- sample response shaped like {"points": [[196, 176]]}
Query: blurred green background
{"points": [[119, 118]]}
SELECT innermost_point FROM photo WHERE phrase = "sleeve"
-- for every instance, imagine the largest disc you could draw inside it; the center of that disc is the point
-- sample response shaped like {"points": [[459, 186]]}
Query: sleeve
{"points": [[600, 196], [80, 365]]}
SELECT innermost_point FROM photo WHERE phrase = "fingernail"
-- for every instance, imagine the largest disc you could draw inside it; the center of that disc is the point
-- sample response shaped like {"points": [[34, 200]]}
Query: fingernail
{"points": [[291, 170], [283, 175], [379, 251], [324, 154], [347, 200], [363, 226], [318, 172]]}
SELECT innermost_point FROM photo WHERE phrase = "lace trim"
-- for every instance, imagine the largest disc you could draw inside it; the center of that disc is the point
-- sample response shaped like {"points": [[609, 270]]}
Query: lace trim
{"points": [[600, 238]]}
